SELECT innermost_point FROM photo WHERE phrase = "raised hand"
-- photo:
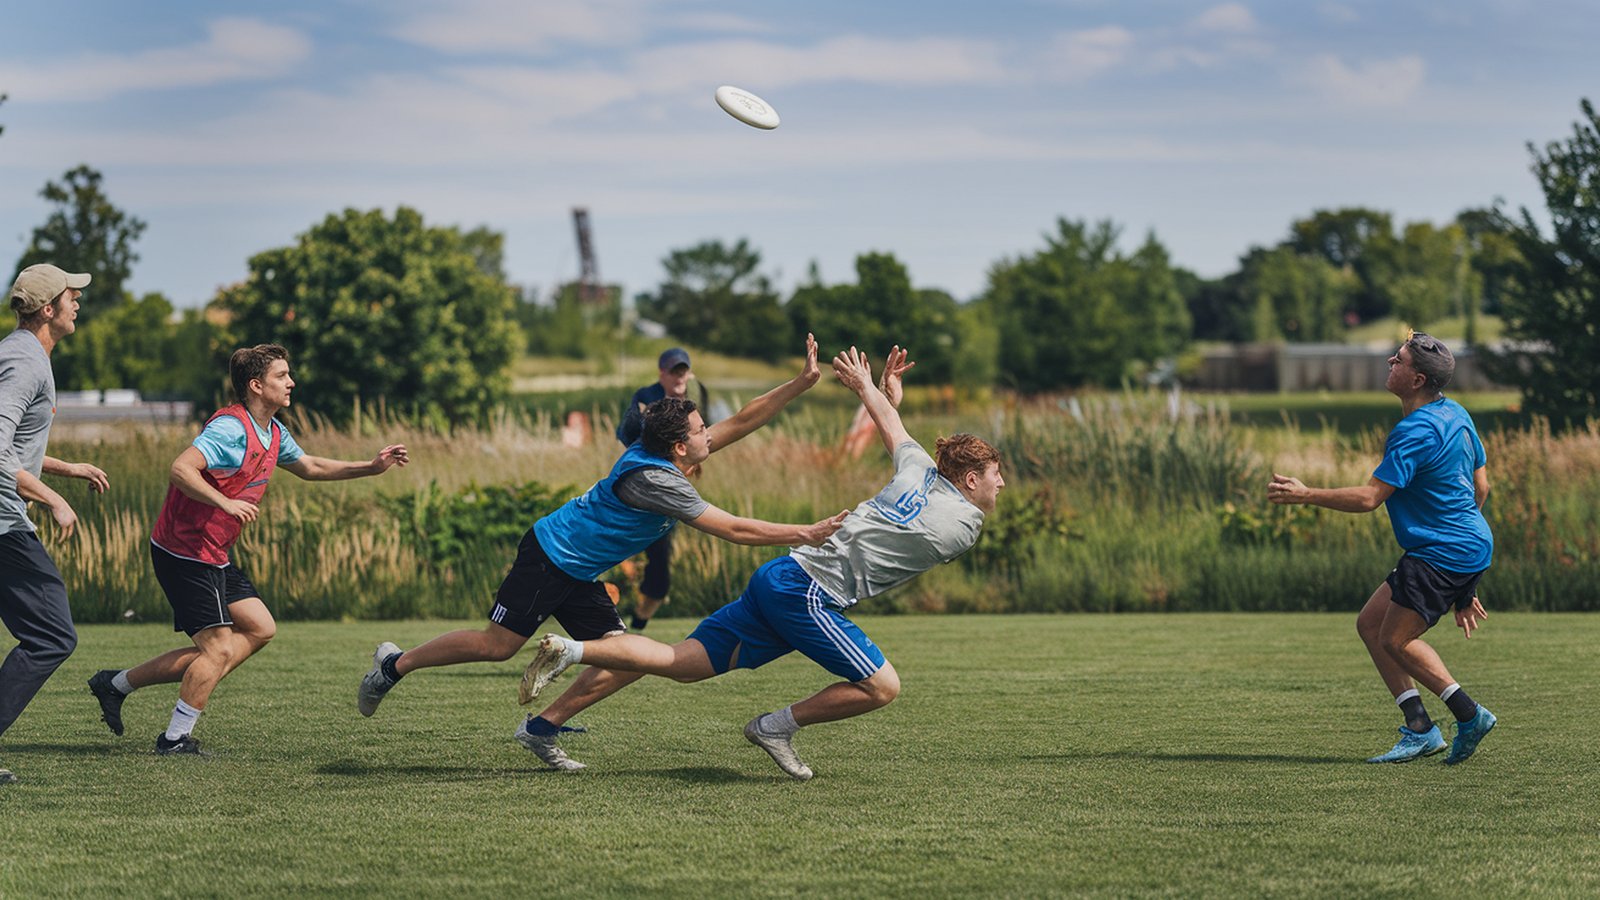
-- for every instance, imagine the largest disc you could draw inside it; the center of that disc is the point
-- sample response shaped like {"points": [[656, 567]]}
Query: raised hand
{"points": [[894, 367], [853, 370], [811, 372], [98, 482]]}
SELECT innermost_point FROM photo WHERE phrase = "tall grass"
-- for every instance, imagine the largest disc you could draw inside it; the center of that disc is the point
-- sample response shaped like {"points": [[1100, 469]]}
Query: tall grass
{"points": [[1113, 504]]}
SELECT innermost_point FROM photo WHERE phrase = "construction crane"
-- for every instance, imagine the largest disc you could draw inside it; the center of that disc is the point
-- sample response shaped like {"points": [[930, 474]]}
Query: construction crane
{"points": [[590, 290]]}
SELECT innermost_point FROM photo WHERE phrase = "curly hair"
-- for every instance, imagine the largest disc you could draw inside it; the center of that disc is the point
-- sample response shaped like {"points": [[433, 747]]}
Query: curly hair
{"points": [[666, 422], [249, 363], [959, 454]]}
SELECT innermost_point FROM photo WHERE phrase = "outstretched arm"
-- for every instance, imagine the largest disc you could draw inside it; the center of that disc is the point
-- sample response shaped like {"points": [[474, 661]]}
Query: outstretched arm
{"points": [[760, 411], [854, 372], [755, 532], [1366, 498], [316, 468]]}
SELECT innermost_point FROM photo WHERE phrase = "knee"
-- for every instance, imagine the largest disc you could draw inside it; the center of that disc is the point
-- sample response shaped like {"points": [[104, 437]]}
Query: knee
{"points": [[262, 634], [499, 651], [1367, 629], [883, 687], [54, 651]]}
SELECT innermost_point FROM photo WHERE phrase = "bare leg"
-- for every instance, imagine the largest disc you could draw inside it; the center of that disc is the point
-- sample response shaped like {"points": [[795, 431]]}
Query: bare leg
{"points": [[493, 644], [845, 698], [1369, 625], [253, 627], [1402, 638], [589, 688], [684, 661], [214, 659]]}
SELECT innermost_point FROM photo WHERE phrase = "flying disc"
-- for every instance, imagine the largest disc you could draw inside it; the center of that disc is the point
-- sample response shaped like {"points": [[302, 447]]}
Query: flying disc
{"points": [[746, 107]]}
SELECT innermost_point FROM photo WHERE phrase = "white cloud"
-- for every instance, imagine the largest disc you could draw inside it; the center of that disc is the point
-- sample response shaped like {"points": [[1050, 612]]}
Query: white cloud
{"points": [[477, 26], [1081, 55], [760, 65], [1378, 83], [1229, 18], [234, 50]]}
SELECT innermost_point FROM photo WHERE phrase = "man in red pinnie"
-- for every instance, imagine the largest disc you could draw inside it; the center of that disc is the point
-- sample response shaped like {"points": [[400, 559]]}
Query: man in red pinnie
{"points": [[217, 485]]}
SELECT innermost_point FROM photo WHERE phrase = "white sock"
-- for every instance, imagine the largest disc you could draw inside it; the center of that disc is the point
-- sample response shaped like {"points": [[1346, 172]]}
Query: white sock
{"points": [[121, 683], [781, 721], [1445, 694], [574, 650], [183, 719], [1407, 695]]}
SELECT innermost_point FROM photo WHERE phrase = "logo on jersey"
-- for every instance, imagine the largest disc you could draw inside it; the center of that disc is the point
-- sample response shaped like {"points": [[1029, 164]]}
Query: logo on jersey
{"points": [[909, 505]]}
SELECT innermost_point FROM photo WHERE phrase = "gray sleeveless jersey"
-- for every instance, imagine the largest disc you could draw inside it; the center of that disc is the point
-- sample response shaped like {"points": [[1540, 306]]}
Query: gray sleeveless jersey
{"points": [[915, 523]]}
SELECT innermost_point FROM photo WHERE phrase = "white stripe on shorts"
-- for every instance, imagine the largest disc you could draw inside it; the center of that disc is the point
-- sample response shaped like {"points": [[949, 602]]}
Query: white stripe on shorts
{"points": [[835, 634]]}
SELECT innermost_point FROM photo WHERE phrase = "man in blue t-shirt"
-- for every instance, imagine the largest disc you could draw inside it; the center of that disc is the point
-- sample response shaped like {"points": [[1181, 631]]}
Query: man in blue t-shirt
{"points": [[673, 381], [1433, 480]]}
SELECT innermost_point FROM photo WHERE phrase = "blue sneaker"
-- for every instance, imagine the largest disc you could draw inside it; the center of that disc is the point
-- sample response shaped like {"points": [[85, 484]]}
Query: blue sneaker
{"points": [[1412, 744], [1468, 734]]}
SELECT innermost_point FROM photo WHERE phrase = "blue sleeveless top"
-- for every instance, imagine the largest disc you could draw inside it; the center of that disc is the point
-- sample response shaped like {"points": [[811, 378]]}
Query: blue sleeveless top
{"points": [[592, 533]]}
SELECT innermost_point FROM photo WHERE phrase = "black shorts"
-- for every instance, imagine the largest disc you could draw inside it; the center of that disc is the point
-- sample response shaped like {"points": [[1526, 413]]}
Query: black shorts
{"points": [[199, 593], [658, 568], [535, 589], [1428, 590]]}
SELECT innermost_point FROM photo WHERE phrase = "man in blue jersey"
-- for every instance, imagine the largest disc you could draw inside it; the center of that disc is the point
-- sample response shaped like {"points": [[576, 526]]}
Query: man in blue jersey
{"points": [[929, 513], [646, 494], [1433, 480], [672, 380]]}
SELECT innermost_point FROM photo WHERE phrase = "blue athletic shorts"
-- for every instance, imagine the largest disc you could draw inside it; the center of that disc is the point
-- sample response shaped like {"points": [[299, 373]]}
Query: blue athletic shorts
{"points": [[781, 610]]}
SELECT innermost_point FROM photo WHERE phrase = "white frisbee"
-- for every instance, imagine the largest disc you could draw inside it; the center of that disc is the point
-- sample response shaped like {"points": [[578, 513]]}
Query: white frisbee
{"points": [[746, 107]]}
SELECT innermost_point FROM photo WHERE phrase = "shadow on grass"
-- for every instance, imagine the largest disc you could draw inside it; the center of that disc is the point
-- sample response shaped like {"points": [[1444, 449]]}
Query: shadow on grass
{"points": [[349, 768], [1199, 757], [703, 775], [66, 749]]}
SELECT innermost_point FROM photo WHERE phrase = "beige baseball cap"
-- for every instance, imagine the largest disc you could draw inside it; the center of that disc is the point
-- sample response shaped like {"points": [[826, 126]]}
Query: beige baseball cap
{"points": [[39, 285]]}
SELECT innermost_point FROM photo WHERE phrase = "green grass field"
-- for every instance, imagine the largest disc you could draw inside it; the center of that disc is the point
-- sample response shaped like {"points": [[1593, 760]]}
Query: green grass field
{"points": [[1137, 755]]}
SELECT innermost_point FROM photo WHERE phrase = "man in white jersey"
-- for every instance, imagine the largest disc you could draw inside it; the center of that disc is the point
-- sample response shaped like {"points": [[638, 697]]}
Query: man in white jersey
{"points": [[929, 513]]}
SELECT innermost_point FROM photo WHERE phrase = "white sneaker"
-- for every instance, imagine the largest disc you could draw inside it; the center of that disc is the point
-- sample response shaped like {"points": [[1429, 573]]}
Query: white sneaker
{"points": [[544, 746], [375, 684], [778, 746], [555, 653]]}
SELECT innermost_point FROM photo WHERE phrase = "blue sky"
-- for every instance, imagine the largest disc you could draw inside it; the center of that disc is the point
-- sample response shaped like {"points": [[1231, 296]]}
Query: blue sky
{"points": [[949, 134]]}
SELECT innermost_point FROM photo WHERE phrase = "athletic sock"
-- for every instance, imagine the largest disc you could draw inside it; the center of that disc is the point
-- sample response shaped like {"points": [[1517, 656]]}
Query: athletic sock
{"points": [[183, 719], [638, 624], [541, 725], [780, 722], [574, 650], [1410, 704], [388, 669], [1460, 704], [121, 683]]}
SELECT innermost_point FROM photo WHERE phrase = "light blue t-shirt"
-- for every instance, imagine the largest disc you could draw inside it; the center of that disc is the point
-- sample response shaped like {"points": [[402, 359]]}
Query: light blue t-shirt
{"points": [[1430, 458], [222, 443]]}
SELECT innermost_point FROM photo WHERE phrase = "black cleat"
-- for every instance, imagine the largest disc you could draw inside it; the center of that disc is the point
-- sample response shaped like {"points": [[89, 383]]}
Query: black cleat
{"points": [[6, 777], [110, 699], [186, 744]]}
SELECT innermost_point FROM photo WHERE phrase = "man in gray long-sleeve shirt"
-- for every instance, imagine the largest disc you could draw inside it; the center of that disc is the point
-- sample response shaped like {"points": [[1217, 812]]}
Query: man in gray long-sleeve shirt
{"points": [[33, 598]]}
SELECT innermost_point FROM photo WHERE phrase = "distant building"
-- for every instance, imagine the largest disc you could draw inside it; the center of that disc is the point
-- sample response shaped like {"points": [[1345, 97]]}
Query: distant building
{"points": [[118, 405], [1314, 367]]}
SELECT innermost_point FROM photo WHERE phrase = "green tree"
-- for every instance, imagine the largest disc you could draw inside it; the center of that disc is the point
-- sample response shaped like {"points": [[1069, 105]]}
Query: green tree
{"points": [[1432, 275], [880, 310], [378, 308], [1358, 240], [1294, 295], [1553, 309], [715, 297], [139, 344], [86, 233], [1079, 312], [1492, 249]]}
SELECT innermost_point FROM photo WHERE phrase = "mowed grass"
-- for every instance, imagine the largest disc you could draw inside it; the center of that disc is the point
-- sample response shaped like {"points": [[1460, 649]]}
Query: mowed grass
{"points": [[1176, 755]]}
